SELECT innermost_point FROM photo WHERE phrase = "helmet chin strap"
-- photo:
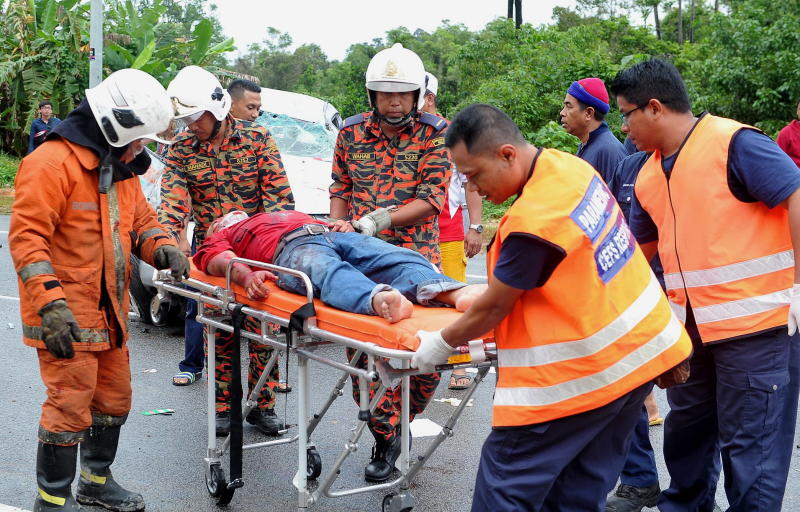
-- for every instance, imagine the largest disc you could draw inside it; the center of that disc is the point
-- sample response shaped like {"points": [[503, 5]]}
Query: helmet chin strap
{"points": [[215, 131], [395, 121]]}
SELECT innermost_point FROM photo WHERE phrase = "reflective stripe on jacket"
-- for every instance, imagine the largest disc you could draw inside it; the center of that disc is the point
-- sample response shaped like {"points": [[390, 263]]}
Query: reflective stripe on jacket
{"points": [[733, 259], [600, 326], [70, 242]]}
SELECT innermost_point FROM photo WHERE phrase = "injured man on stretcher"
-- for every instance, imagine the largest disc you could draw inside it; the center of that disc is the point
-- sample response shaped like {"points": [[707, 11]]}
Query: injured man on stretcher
{"points": [[348, 271]]}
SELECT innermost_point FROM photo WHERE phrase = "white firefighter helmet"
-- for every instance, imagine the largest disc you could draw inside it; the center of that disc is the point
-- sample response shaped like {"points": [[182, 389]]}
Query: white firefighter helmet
{"points": [[397, 69], [130, 105], [195, 90], [431, 83]]}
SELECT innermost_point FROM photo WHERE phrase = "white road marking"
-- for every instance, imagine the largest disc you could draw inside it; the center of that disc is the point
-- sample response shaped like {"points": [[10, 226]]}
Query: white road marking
{"points": [[476, 276], [9, 508], [8, 298]]}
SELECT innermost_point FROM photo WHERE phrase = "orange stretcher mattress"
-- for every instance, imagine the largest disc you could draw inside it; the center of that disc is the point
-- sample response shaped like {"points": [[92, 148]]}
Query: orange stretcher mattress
{"points": [[400, 335]]}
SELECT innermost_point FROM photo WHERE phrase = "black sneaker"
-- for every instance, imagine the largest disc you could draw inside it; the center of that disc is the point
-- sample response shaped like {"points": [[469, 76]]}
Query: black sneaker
{"points": [[628, 498], [223, 423], [265, 421]]}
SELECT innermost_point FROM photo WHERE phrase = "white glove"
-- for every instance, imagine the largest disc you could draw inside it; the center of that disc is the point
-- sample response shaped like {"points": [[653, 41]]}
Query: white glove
{"points": [[794, 310], [374, 222], [432, 350]]}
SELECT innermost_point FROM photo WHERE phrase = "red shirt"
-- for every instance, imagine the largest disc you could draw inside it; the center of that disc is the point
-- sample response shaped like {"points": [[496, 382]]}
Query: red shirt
{"points": [[255, 238], [451, 229], [789, 141]]}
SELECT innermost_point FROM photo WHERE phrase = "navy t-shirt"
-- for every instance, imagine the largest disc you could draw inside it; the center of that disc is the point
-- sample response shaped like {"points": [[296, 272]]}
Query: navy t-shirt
{"points": [[603, 151]]}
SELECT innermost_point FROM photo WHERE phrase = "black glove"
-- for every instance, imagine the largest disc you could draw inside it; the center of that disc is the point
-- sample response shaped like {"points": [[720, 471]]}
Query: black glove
{"points": [[59, 329], [169, 256]]}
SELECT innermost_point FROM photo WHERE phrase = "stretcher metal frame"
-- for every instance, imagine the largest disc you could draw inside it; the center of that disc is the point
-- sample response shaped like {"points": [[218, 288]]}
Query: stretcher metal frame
{"points": [[303, 344]]}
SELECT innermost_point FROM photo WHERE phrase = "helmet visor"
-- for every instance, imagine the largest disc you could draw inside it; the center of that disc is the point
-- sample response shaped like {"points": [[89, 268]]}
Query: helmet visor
{"points": [[392, 86]]}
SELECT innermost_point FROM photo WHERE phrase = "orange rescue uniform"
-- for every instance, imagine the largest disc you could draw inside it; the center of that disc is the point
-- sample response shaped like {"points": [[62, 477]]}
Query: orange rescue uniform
{"points": [[70, 242]]}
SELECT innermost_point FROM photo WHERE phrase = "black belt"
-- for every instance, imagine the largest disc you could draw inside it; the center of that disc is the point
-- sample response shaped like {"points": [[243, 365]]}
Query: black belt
{"points": [[304, 230]]}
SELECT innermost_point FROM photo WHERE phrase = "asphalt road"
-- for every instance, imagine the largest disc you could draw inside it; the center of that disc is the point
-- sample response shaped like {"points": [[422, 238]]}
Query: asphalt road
{"points": [[162, 456]]}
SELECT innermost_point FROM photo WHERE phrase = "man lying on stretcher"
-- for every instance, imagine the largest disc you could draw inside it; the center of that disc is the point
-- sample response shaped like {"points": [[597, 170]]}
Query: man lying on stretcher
{"points": [[348, 271]]}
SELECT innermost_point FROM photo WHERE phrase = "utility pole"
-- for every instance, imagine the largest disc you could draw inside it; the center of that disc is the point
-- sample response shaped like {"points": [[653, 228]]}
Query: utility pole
{"points": [[515, 5], [96, 43]]}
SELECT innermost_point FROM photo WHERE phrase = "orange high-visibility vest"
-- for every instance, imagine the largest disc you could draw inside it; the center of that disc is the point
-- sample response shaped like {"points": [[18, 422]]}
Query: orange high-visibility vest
{"points": [[601, 325], [733, 260]]}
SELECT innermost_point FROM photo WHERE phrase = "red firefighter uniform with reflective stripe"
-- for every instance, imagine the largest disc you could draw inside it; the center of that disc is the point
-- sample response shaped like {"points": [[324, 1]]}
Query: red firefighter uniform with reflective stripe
{"points": [[601, 325], [70, 242], [732, 260]]}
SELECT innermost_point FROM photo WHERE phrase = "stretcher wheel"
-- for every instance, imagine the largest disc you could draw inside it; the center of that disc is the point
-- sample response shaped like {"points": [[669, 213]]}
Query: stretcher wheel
{"points": [[215, 480], [313, 464], [397, 503]]}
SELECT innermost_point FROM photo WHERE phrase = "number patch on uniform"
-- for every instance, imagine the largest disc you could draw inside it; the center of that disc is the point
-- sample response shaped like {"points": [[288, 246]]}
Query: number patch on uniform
{"points": [[592, 213], [407, 157], [615, 250]]}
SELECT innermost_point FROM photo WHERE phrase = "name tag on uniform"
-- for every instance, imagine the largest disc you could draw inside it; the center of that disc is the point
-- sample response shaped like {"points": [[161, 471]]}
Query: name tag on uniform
{"points": [[615, 250], [407, 157], [361, 156], [197, 166], [594, 210], [78, 205], [243, 160]]}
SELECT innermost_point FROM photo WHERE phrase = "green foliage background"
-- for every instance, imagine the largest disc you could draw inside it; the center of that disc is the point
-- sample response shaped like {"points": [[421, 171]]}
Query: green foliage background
{"points": [[740, 58]]}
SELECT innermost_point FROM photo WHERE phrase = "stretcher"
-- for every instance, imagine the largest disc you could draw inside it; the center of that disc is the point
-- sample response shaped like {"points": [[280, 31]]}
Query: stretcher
{"points": [[306, 325]]}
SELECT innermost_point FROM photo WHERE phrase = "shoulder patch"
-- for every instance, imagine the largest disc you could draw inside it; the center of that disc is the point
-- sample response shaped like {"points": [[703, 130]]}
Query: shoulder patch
{"points": [[356, 119], [433, 120]]}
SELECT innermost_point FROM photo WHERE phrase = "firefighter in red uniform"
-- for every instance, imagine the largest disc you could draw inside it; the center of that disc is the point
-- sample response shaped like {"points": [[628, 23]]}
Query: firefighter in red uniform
{"points": [[390, 176], [79, 211]]}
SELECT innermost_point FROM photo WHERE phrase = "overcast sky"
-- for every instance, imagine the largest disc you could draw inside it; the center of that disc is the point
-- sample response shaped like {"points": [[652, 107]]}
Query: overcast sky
{"points": [[336, 24]]}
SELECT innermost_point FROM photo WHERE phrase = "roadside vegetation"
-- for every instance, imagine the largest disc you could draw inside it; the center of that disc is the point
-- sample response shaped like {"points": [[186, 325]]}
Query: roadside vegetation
{"points": [[739, 58]]}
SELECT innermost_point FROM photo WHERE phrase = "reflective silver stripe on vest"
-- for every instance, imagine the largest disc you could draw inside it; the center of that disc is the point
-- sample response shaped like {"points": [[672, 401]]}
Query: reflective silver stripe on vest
{"points": [[732, 272], [543, 396], [576, 349], [680, 311], [36, 268], [34, 332], [742, 307], [150, 233]]}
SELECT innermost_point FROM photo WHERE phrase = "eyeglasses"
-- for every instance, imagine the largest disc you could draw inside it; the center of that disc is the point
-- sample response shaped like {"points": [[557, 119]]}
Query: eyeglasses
{"points": [[628, 113]]}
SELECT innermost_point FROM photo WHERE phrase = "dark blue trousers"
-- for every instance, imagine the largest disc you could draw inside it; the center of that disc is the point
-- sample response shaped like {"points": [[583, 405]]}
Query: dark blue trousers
{"points": [[738, 406], [194, 355], [562, 465], [640, 466]]}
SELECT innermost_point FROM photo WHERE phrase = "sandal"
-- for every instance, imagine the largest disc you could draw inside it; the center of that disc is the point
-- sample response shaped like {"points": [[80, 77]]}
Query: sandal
{"points": [[186, 378], [455, 379], [283, 387]]}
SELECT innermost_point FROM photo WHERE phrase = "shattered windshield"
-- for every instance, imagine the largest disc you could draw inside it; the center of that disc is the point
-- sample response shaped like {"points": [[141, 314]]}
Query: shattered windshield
{"points": [[299, 138]]}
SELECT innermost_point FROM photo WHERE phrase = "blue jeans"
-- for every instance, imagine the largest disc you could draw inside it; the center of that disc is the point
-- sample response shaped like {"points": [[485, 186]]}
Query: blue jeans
{"points": [[347, 269], [739, 405], [194, 357], [568, 464]]}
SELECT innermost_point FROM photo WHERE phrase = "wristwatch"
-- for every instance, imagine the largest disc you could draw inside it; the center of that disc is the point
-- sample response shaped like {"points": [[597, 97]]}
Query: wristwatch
{"points": [[477, 227]]}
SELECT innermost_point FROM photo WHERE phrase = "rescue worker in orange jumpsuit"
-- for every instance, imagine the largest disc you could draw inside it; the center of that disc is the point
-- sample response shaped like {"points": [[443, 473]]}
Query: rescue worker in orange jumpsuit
{"points": [[79, 211], [573, 369]]}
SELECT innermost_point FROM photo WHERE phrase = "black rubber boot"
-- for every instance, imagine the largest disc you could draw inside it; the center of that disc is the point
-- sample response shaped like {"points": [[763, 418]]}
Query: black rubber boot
{"points": [[265, 420], [55, 471], [96, 486], [384, 455], [628, 498], [223, 423]]}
